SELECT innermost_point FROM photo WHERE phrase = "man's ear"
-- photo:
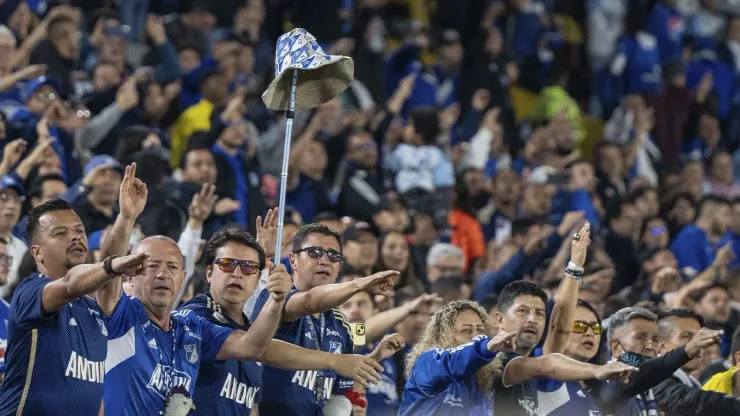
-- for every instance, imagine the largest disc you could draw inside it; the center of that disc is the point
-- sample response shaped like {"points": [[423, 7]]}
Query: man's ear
{"points": [[36, 253], [615, 348], [209, 273], [498, 318], [292, 257], [736, 358]]}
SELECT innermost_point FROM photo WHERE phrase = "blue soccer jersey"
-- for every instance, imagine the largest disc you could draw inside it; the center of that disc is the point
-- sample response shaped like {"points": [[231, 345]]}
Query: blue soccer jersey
{"points": [[442, 382], [4, 316], [55, 362], [229, 387], [302, 393], [146, 364]]}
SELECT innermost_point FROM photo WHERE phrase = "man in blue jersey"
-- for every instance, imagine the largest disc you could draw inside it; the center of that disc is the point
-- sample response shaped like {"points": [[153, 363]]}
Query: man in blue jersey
{"points": [[56, 334], [233, 261], [457, 365], [311, 320], [154, 355], [5, 261]]}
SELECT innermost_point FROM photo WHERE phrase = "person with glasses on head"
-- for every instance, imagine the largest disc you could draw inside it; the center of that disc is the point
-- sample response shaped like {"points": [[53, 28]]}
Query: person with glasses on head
{"points": [[233, 261], [311, 319], [5, 261]]}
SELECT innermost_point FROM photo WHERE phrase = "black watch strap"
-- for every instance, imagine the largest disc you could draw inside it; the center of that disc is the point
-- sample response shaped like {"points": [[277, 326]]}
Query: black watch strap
{"points": [[108, 266]]}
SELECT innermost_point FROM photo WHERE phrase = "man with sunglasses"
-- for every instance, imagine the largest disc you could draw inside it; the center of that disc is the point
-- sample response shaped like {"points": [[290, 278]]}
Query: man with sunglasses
{"points": [[311, 319], [233, 262]]}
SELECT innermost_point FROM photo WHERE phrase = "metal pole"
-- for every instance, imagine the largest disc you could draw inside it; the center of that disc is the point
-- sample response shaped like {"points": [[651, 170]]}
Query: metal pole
{"points": [[284, 173]]}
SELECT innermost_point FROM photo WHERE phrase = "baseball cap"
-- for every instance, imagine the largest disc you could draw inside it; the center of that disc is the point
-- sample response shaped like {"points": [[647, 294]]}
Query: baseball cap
{"points": [[38, 82], [100, 162], [354, 231], [9, 182]]}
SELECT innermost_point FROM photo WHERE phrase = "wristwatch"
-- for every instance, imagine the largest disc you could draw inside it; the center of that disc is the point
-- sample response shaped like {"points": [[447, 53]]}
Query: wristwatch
{"points": [[108, 266]]}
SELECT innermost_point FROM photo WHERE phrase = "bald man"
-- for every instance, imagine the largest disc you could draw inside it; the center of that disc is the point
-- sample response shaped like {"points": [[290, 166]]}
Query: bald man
{"points": [[153, 353]]}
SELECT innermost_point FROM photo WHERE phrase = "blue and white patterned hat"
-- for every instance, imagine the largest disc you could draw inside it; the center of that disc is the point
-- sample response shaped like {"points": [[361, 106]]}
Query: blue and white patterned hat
{"points": [[321, 77]]}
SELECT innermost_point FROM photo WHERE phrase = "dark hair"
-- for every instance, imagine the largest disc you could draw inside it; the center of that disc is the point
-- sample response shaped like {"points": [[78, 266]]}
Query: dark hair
{"points": [[302, 234], [517, 289], [56, 22], [715, 285], [37, 186], [711, 199], [26, 268], [199, 140], [665, 324], [35, 214], [348, 270], [406, 294], [151, 171], [236, 234], [131, 141], [639, 192], [520, 226], [426, 123], [648, 220]]}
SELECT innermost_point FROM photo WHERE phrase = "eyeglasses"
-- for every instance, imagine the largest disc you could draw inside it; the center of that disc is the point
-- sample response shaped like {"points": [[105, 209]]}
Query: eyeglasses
{"points": [[658, 230], [318, 252], [229, 265], [5, 198], [46, 97], [580, 327], [5, 259]]}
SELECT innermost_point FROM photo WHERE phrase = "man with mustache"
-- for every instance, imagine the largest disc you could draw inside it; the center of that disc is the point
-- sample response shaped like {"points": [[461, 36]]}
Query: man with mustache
{"points": [[311, 320], [233, 261], [457, 365], [155, 355], [57, 336]]}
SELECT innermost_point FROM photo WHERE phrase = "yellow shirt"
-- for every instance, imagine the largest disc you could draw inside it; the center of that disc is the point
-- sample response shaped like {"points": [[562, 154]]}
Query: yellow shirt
{"points": [[195, 118], [721, 382]]}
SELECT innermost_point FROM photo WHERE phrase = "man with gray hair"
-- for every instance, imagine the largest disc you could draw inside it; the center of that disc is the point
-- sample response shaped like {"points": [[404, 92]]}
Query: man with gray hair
{"points": [[444, 259], [632, 336]]}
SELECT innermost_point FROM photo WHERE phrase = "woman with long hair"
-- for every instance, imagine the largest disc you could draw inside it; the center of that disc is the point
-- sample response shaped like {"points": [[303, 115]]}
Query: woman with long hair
{"points": [[395, 254]]}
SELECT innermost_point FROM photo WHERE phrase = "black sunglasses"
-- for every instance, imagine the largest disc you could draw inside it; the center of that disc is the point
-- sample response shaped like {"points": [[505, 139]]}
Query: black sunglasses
{"points": [[229, 265], [318, 252]]}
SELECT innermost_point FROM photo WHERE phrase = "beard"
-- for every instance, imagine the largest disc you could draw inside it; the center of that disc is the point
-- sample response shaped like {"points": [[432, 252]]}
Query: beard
{"points": [[522, 345]]}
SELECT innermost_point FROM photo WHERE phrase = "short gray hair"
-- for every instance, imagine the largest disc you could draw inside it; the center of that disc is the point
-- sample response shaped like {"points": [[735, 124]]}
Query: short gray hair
{"points": [[624, 316], [444, 250], [5, 31]]}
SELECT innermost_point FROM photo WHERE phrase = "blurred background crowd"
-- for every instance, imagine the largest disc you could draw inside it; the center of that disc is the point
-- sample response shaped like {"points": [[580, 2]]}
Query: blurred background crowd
{"points": [[474, 138]]}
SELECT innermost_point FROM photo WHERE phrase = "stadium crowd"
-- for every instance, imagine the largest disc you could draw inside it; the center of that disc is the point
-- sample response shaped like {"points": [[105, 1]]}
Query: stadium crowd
{"points": [[518, 207]]}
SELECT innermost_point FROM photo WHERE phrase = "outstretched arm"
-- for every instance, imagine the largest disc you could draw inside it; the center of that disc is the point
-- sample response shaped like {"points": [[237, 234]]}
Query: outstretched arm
{"points": [[287, 356], [325, 297], [559, 367], [83, 280]]}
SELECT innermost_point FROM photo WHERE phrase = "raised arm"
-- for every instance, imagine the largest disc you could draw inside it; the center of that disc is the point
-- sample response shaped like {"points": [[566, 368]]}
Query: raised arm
{"points": [[83, 280], [287, 356], [131, 200], [325, 297], [563, 313], [251, 345]]}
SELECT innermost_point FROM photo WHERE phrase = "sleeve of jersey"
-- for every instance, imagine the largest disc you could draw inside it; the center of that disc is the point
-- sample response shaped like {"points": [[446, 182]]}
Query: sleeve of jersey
{"points": [[214, 337], [26, 310], [436, 369], [259, 304], [122, 319]]}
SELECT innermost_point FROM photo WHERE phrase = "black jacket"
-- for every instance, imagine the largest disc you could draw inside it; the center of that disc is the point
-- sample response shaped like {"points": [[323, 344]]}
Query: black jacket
{"points": [[675, 398]]}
